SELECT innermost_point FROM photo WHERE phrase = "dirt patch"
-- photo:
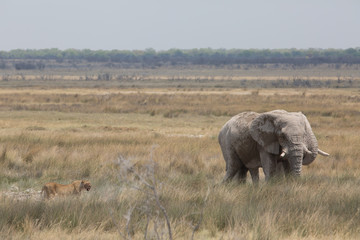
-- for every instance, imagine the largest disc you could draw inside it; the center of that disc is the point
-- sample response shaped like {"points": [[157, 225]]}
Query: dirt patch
{"points": [[28, 194]]}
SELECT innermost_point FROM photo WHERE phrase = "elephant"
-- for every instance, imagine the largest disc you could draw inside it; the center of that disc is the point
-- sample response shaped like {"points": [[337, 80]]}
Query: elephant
{"points": [[269, 140]]}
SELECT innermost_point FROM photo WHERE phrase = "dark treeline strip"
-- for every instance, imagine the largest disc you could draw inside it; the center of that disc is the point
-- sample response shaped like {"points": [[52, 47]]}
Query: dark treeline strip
{"points": [[208, 56]]}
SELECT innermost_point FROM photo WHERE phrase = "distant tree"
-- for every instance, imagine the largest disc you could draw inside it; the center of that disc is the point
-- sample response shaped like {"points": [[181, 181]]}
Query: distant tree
{"points": [[25, 66], [203, 56]]}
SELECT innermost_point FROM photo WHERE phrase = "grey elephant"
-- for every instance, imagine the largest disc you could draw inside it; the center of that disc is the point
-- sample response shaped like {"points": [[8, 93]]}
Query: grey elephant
{"points": [[251, 140]]}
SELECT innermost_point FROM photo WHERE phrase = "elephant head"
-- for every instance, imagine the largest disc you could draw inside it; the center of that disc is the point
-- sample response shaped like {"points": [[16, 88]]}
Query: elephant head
{"points": [[288, 135]]}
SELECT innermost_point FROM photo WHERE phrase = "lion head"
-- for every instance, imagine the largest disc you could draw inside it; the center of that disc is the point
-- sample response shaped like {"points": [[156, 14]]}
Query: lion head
{"points": [[86, 185]]}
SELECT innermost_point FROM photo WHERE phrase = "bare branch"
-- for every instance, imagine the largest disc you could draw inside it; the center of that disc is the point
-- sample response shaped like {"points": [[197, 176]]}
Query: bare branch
{"points": [[155, 229], [197, 226], [128, 219], [118, 228], [163, 210], [147, 225], [148, 186]]}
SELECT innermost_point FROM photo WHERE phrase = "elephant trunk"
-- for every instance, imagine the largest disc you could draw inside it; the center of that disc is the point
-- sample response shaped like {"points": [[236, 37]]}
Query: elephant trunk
{"points": [[310, 148], [295, 158], [296, 165]]}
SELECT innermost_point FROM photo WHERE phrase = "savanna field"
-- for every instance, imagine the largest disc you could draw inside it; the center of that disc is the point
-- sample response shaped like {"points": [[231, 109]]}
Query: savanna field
{"points": [[156, 167]]}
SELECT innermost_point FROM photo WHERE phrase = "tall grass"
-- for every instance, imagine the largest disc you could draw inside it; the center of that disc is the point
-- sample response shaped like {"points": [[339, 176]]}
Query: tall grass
{"points": [[41, 143]]}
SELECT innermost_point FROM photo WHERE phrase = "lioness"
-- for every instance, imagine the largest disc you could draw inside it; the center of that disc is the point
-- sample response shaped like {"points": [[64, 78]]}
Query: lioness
{"points": [[50, 190]]}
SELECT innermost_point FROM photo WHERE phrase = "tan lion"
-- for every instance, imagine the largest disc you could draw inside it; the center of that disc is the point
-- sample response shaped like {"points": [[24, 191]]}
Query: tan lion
{"points": [[50, 190]]}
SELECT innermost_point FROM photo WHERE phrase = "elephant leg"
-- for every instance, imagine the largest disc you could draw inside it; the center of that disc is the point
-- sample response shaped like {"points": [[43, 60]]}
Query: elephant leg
{"points": [[268, 163], [242, 173], [254, 172], [233, 166], [282, 168], [279, 169], [286, 167]]}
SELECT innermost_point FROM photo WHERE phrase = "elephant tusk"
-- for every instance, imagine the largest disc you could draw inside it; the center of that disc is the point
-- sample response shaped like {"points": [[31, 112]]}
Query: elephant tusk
{"points": [[323, 153], [282, 155], [307, 150]]}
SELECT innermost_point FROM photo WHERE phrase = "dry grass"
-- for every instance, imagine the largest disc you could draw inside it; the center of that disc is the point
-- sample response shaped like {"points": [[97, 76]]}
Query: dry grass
{"points": [[192, 76], [66, 134]]}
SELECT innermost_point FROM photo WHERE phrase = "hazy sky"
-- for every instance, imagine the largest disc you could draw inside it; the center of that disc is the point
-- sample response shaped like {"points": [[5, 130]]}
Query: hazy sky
{"points": [[184, 24]]}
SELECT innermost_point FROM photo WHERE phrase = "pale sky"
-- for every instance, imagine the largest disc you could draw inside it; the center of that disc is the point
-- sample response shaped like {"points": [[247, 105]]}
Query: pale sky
{"points": [[182, 24]]}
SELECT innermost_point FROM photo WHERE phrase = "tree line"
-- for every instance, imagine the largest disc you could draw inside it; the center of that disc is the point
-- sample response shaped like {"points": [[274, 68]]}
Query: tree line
{"points": [[207, 56]]}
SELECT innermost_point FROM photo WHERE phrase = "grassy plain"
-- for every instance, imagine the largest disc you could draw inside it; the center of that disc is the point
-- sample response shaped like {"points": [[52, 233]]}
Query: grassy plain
{"points": [[168, 137], [85, 74]]}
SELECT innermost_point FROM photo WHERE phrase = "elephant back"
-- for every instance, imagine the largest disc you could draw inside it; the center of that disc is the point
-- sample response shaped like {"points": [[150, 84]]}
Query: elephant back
{"points": [[236, 133]]}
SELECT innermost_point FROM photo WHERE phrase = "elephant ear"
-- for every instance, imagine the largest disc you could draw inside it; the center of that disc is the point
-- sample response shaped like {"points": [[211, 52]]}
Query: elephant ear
{"points": [[263, 131]]}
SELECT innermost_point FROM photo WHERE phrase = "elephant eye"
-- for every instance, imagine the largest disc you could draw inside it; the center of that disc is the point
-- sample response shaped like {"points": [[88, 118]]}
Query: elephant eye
{"points": [[282, 137]]}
